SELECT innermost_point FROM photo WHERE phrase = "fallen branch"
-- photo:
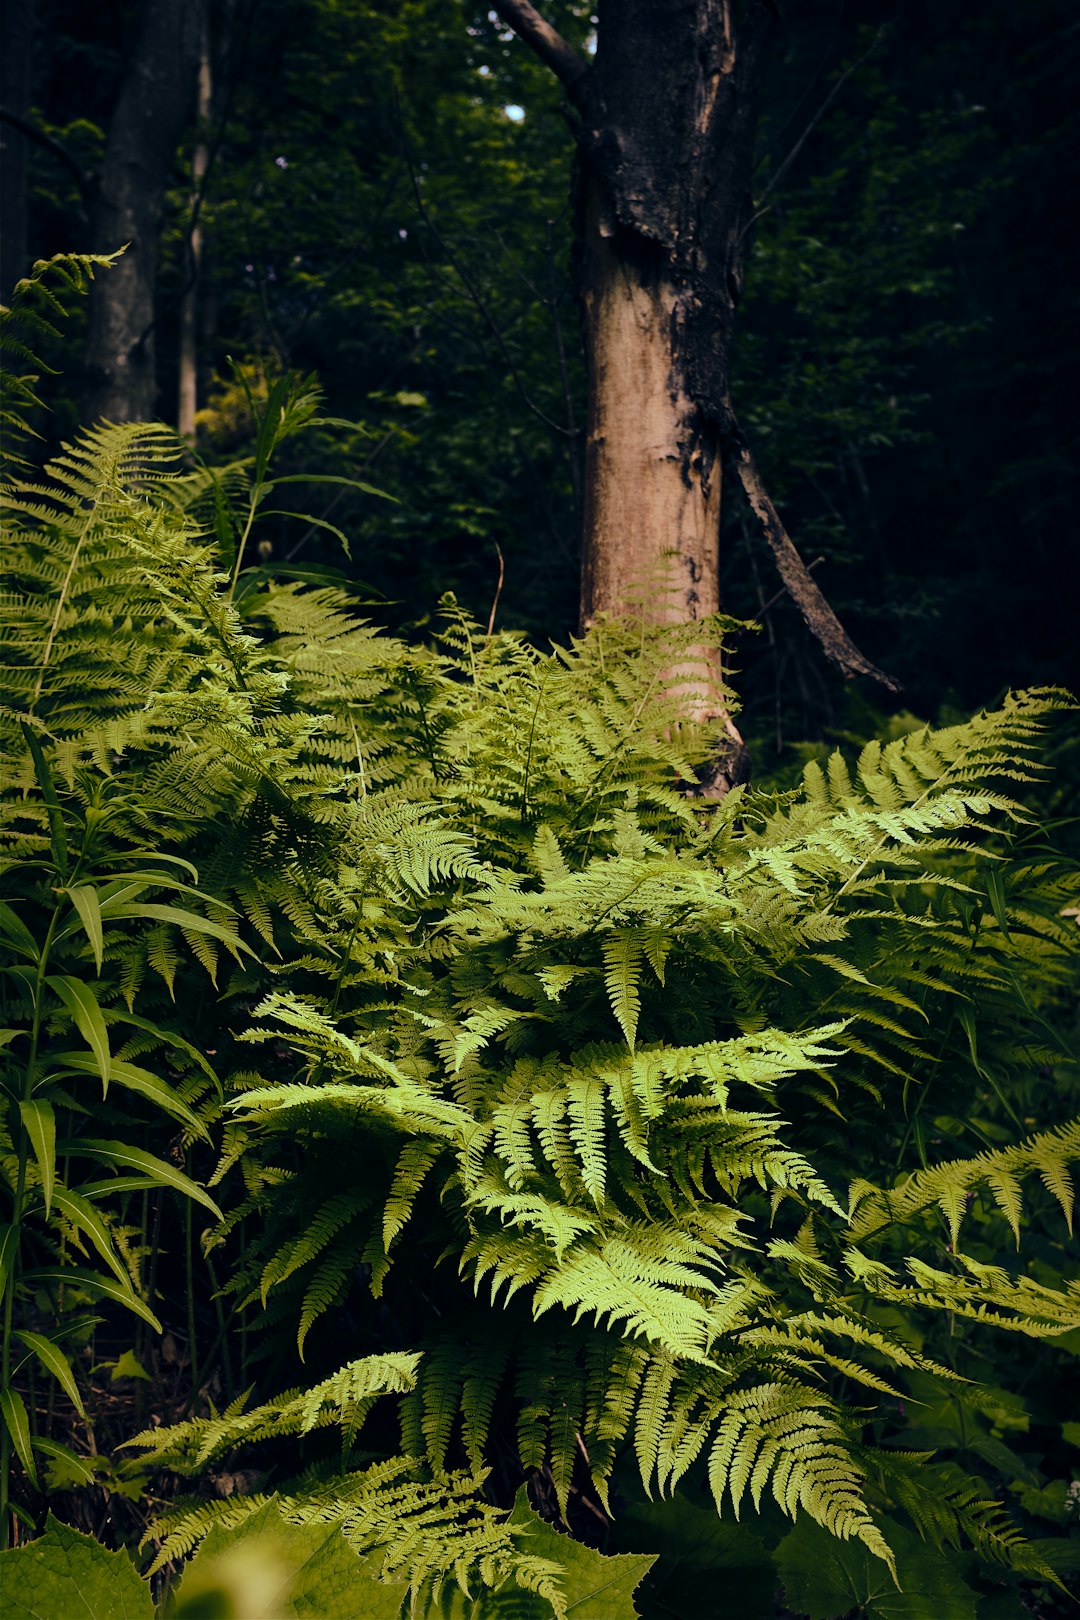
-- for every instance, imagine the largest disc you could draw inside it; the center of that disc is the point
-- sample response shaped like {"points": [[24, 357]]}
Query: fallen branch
{"points": [[818, 616]]}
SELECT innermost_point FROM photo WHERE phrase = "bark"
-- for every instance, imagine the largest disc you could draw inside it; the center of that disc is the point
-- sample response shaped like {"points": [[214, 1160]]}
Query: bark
{"points": [[671, 107], [666, 117], [191, 301], [153, 108], [16, 53]]}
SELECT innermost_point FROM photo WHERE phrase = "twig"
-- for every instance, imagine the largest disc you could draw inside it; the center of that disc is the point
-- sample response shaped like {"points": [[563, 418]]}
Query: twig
{"points": [[498, 592], [86, 182], [812, 124]]}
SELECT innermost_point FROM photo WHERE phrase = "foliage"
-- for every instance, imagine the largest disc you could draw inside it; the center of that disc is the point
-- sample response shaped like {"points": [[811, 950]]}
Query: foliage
{"points": [[641, 1144], [267, 1567], [64, 1572]]}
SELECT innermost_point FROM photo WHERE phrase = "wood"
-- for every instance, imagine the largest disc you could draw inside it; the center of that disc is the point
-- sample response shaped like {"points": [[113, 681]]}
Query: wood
{"points": [[144, 132]]}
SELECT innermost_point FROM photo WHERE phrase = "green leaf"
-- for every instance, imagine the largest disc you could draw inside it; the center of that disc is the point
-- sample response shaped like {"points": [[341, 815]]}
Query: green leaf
{"points": [[9, 1243], [16, 931], [18, 1427], [136, 1079], [699, 1555], [165, 1175], [64, 1575], [54, 1360], [128, 1366], [96, 1283], [594, 1587], [171, 1038], [67, 1469], [39, 1123], [84, 897], [266, 1568], [81, 1213], [57, 833], [824, 1577], [81, 1003], [190, 920]]}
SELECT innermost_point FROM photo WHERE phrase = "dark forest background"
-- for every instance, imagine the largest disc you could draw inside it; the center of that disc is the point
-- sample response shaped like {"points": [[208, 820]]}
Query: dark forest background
{"points": [[387, 204]]}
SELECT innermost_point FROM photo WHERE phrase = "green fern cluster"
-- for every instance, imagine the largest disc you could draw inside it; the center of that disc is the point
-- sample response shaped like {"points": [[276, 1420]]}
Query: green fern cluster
{"points": [[626, 1131]]}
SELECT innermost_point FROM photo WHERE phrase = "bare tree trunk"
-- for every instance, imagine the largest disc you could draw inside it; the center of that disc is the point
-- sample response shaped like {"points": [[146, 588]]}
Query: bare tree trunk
{"points": [[154, 106], [16, 58], [666, 114], [669, 108], [191, 301]]}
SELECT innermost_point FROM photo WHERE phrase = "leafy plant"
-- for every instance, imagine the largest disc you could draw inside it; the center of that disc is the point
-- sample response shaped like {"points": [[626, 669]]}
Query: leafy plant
{"points": [[640, 1145]]}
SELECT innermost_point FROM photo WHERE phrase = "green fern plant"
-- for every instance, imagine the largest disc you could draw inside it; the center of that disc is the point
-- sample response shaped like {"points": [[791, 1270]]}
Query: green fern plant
{"points": [[652, 1127]]}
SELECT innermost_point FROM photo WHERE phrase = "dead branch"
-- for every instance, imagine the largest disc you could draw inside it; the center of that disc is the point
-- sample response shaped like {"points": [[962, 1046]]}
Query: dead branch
{"points": [[818, 616]]}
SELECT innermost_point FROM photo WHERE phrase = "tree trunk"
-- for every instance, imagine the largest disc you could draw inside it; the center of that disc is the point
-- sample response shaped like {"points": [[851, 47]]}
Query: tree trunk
{"points": [[154, 106], [670, 108], [191, 300], [16, 55], [667, 112]]}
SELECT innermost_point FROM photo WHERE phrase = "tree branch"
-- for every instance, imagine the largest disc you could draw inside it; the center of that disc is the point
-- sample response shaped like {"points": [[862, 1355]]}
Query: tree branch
{"points": [[84, 181], [818, 616], [549, 45]]}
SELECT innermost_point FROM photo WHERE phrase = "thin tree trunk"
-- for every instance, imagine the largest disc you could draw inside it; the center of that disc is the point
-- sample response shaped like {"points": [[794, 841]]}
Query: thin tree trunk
{"points": [[191, 301], [154, 106], [16, 83]]}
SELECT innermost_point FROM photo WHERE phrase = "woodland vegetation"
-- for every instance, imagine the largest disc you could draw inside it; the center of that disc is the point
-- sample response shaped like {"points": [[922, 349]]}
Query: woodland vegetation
{"points": [[541, 911]]}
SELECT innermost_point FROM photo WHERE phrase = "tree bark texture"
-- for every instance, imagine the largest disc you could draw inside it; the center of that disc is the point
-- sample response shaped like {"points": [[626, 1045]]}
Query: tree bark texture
{"points": [[191, 299], [669, 112], [16, 53], [154, 106]]}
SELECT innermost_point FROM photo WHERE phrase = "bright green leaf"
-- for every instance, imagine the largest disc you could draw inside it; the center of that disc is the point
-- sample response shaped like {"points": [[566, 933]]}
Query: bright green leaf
{"points": [[64, 1575], [81, 1003]]}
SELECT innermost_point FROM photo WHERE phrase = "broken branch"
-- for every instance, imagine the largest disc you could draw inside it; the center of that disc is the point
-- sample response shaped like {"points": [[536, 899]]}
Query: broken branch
{"points": [[818, 616]]}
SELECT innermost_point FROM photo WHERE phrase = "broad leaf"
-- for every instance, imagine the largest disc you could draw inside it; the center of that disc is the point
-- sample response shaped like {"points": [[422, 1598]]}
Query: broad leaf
{"points": [[824, 1577], [64, 1575], [699, 1555], [268, 1569]]}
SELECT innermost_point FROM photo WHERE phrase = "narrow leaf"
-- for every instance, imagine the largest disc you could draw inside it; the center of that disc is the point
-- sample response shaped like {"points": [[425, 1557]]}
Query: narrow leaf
{"points": [[39, 1123], [78, 1209], [16, 931], [57, 833], [166, 1175], [84, 898], [137, 1079], [18, 1427], [53, 1359], [96, 1283], [81, 1003]]}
